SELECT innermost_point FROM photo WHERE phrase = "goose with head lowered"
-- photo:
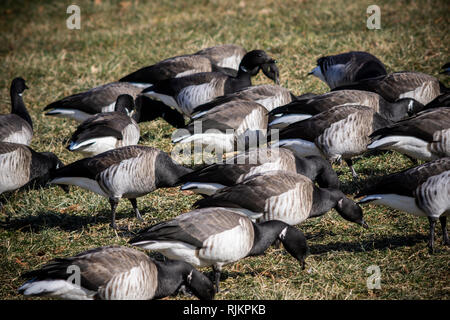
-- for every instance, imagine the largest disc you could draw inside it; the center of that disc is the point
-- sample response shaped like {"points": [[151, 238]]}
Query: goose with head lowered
{"points": [[20, 165], [347, 68], [267, 95], [398, 85], [127, 172], [227, 127], [114, 273], [425, 136], [298, 110], [338, 133], [286, 196], [109, 130], [16, 127], [219, 236], [186, 93], [422, 191], [83, 105], [221, 58], [210, 179]]}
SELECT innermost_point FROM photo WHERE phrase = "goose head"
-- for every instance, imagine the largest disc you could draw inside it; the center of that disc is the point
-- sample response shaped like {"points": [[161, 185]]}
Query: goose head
{"points": [[349, 210], [254, 60], [125, 104], [18, 86]]}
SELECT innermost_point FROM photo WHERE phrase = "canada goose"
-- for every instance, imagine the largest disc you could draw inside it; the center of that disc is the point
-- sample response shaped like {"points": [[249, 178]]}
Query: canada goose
{"points": [[299, 110], [335, 134], [422, 191], [127, 172], [416, 85], [445, 69], [286, 196], [219, 236], [222, 58], [21, 165], [425, 136], [114, 273], [106, 131], [17, 126], [83, 105], [186, 93], [223, 127], [347, 68], [269, 96], [210, 179]]}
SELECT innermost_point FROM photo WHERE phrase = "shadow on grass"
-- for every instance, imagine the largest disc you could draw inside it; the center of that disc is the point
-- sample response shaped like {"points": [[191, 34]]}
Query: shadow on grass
{"points": [[70, 222], [390, 242]]}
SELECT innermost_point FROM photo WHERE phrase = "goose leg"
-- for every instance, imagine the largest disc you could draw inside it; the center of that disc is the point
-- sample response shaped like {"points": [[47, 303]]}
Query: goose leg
{"points": [[113, 202], [432, 221], [349, 162], [216, 270], [135, 208], [443, 221]]}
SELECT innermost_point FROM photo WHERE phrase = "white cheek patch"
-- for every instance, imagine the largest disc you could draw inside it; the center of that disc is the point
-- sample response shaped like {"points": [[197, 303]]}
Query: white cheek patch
{"points": [[282, 234]]}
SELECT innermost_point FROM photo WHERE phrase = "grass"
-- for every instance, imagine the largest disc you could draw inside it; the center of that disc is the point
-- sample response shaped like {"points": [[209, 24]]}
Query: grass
{"points": [[119, 37]]}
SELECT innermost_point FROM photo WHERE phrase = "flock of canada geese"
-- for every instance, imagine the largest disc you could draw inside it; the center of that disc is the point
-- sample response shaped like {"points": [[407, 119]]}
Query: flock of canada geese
{"points": [[247, 205]]}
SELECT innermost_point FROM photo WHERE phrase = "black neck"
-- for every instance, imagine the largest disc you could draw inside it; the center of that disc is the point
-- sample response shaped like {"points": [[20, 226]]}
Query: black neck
{"points": [[18, 107], [265, 234], [323, 201], [168, 172], [170, 278]]}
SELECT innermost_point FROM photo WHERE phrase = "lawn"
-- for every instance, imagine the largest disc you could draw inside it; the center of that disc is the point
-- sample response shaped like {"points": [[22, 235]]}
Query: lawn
{"points": [[118, 37]]}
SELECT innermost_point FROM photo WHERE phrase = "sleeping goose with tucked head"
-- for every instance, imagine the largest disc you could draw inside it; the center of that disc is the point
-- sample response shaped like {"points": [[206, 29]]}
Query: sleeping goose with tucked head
{"points": [[109, 130], [335, 134], [347, 68], [210, 179], [302, 109], [219, 236], [127, 172], [422, 191], [286, 196], [186, 93], [398, 85], [20, 165], [222, 58], [425, 136], [267, 95], [114, 273], [225, 128], [17, 126], [83, 105]]}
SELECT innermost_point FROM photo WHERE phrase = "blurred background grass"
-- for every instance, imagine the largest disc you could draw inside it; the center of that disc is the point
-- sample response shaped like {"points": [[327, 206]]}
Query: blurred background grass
{"points": [[118, 37]]}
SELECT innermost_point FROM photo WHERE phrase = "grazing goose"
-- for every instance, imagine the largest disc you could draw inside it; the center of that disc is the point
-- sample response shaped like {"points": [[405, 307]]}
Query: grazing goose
{"points": [[425, 136], [219, 236], [114, 273], [223, 58], [17, 126], [81, 106], [128, 172], [347, 68], [286, 196], [418, 86], [186, 93], [214, 177], [20, 165], [422, 191], [445, 69], [224, 127], [109, 130], [267, 95], [299, 110], [338, 133]]}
